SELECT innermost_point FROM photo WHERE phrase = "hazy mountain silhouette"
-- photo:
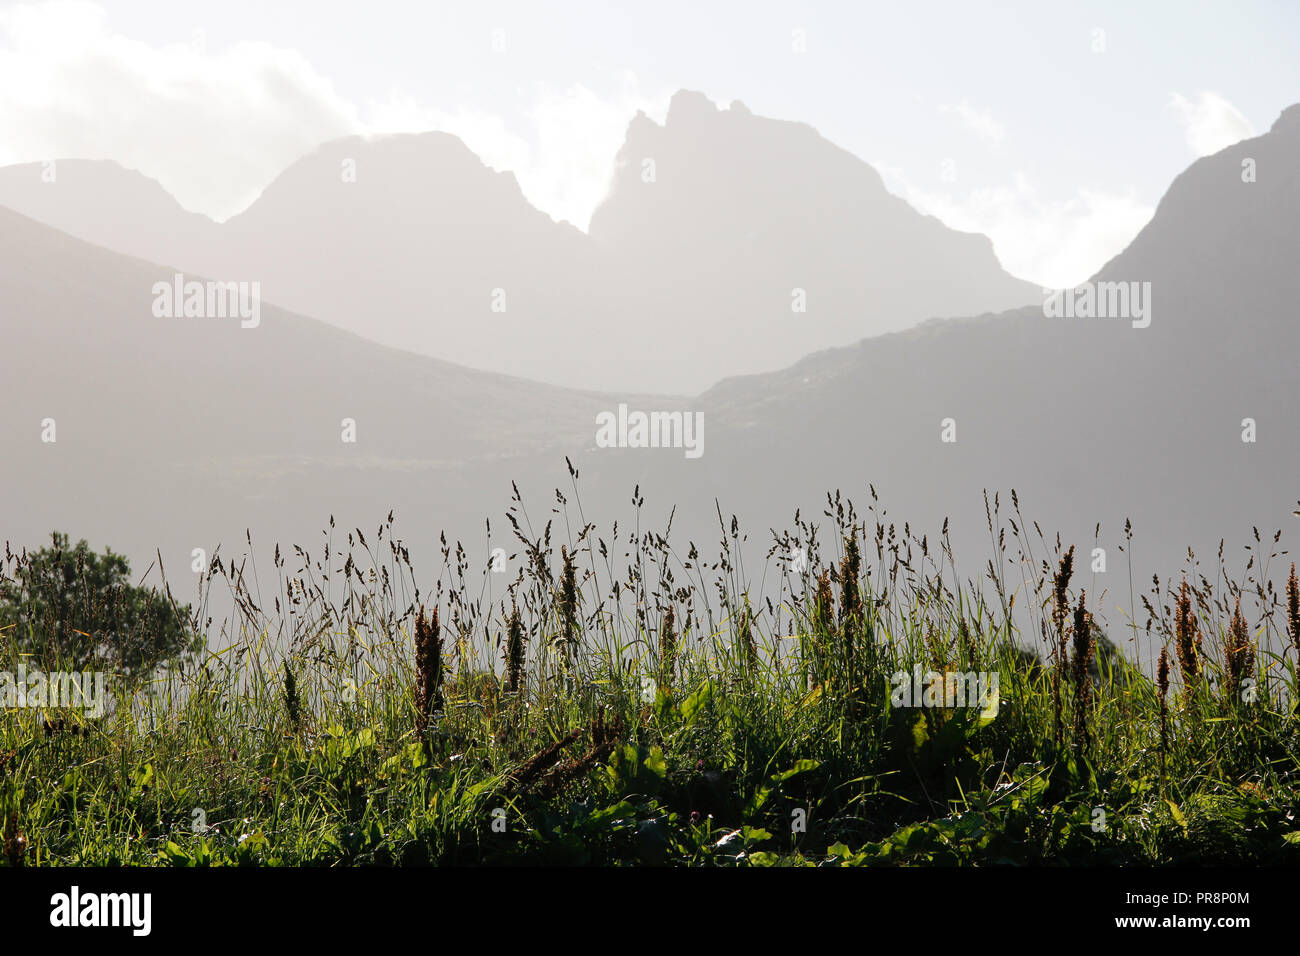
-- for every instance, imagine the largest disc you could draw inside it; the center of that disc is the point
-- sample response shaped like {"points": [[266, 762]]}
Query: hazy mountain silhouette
{"points": [[185, 433], [175, 428], [412, 253], [684, 281], [111, 206], [1091, 419], [744, 210]]}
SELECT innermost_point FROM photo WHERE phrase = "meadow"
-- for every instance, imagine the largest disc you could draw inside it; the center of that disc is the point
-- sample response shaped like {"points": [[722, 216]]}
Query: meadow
{"points": [[612, 700]]}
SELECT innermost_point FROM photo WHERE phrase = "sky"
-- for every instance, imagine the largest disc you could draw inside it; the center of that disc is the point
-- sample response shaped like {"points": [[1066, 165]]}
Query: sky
{"points": [[1052, 128]]}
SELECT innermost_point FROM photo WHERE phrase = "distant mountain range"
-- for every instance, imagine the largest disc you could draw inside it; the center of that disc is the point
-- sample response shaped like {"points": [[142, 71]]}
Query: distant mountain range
{"points": [[177, 433], [168, 426], [1091, 419], [729, 244]]}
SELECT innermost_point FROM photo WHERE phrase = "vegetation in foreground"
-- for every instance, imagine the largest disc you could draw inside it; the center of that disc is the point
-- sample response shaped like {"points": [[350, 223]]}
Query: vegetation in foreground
{"points": [[615, 702]]}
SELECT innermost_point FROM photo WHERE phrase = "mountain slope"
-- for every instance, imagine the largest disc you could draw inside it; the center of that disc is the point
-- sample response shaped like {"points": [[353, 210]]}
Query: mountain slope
{"points": [[1090, 419], [180, 432], [743, 211], [191, 428], [412, 242], [412, 254], [110, 206]]}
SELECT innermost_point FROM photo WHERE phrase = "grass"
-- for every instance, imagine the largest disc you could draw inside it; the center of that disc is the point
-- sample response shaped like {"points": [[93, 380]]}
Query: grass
{"points": [[615, 702]]}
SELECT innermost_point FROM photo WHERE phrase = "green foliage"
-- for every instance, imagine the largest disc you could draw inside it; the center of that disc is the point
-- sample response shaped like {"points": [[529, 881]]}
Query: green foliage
{"points": [[70, 608], [779, 752]]}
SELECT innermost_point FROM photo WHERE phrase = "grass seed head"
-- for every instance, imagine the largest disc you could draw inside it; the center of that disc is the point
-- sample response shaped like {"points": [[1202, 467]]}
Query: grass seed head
{"points": [[1239, 655], [1186, 638], [428, 669], [1061, 602], [515, 650], [851, 610], [568, 605], [667, 648], [292, 702], [824, 606], [1293, 607]]}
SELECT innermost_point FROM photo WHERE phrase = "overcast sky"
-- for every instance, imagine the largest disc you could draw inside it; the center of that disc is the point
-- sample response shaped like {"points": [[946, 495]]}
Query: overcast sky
{"points": [[1052, 127]]}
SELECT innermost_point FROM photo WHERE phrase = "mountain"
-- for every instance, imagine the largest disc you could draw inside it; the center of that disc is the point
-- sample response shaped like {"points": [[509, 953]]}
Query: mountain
{"points": [[171, 430], [412, 242], [1090, 419], [182, 433], [108, 205], [412, 254], [742, 211], [402, 240]]}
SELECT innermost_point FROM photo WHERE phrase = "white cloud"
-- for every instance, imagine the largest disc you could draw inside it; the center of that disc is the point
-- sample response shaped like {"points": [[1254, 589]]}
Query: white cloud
{"points": [[1055, 243], [579, 135], [979, 122], [214, 127], [1210, 123], [565, 169]]}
